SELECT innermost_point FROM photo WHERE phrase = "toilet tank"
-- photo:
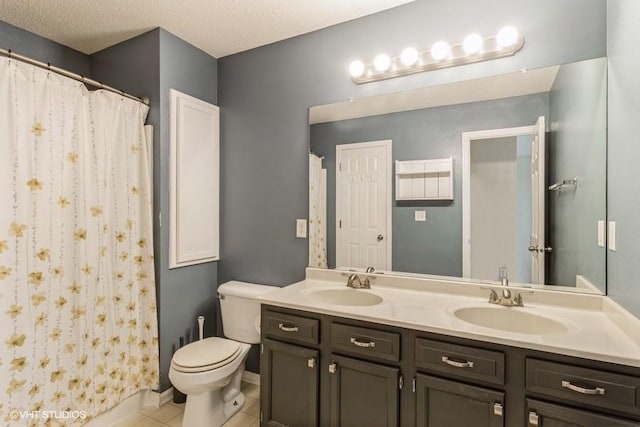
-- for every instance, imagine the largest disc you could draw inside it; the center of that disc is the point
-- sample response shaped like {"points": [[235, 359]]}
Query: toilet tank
{"points": [[241, 310]]}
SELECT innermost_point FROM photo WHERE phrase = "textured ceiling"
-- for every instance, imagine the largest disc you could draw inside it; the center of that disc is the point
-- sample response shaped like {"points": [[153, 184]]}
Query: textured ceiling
{"points": [[219, 27]]}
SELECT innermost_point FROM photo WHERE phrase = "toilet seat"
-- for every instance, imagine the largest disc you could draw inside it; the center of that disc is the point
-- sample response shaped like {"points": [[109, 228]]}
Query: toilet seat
{"points": [[205, 355]]}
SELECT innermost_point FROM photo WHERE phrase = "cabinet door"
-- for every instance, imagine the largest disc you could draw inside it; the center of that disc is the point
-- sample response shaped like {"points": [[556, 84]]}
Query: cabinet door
{"points": [[443, 403], [549, 415], [289, 385], [363, 393]]}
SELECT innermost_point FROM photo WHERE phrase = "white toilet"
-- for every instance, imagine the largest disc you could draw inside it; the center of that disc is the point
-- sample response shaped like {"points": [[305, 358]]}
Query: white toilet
{"points": [[210, 371]]}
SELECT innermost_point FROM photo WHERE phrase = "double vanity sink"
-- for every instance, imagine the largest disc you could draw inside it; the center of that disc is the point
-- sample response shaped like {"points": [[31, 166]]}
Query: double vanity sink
{"points": [[500, 318], [418, 347], [575, 324]]}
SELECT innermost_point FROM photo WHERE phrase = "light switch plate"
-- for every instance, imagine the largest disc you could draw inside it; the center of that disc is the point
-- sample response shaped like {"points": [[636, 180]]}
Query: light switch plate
{"points": [[611, 236], [601, 234], [420, 215], [301, 228]]}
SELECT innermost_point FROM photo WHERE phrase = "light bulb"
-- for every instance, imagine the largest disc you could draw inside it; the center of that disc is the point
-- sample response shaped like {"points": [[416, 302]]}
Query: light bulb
{"points": [[507, 36], [440, 50], [356, 68], [382, 62], [472, 44], [409, 56]]}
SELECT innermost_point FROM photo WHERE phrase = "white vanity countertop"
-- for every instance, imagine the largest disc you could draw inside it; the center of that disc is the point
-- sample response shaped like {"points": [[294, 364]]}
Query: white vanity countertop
{"points": [[598, 328]]}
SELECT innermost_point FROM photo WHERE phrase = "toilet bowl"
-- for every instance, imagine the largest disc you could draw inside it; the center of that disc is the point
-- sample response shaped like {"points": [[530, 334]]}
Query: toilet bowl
{"points": [[209, 371]]}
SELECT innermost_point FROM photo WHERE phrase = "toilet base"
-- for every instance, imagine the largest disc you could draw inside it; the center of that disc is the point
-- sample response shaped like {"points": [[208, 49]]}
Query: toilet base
{"points": [[232, 407], [209, 409], [213, 408]]}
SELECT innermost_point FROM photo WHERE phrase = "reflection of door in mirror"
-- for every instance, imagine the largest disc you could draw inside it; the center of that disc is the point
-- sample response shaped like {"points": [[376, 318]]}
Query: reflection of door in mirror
{"points": [[503, 203], [363, 205]]}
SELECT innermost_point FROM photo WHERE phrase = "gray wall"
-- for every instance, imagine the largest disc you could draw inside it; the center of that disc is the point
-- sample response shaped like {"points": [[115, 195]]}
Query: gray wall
{"points": [[434, 246], [185, 292], [25, 43], [578, 147], [265, 94], [623, 270], [150, 65]]}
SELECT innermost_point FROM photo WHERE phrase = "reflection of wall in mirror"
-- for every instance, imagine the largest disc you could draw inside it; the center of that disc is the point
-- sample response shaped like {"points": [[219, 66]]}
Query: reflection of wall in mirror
{"points": [[577, 148], [433, 246]]}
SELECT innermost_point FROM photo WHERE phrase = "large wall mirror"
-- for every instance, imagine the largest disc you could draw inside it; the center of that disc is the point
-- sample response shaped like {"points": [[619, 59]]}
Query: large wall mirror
{"points": [[466, 179]]}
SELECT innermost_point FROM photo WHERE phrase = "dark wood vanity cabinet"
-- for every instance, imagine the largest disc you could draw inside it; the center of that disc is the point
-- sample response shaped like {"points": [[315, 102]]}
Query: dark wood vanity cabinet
{"points": [[289, 384], [363, 393], [551, 415], [441, 402], [321, 370]]}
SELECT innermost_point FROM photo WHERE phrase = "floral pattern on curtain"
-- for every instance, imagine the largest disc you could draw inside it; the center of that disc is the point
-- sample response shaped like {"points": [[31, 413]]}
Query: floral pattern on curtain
{"points": [[77, 291], [317, 213]]}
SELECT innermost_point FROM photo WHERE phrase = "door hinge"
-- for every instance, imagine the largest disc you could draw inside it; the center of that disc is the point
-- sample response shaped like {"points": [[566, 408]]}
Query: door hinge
{"points": [[260, 416], [340, 166], [332, 368], [261, 348], [340, 224], [401, 382], [497, 409], [533, 419], [413, 384], [311, 363]]}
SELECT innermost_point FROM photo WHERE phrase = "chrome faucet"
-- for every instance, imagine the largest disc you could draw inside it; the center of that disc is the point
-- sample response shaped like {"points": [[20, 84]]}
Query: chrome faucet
{"points": [[355, 282], [507, 299], [504, 282]]}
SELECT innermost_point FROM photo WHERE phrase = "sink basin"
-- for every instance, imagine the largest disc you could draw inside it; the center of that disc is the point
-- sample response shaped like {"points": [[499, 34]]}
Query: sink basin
{"points": [[344, 296], [510, 320]]}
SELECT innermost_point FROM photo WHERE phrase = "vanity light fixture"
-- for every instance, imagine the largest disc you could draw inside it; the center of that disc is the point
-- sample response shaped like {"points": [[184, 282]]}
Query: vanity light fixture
{"points": [[409, 56], [472, 44], [382, 63], [356, 69], [440, 50], [474, 48]]}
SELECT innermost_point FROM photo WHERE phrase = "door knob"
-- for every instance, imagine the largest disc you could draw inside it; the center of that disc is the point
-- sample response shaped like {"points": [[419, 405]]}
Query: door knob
{"points": [[533, 248], [380, 237]]}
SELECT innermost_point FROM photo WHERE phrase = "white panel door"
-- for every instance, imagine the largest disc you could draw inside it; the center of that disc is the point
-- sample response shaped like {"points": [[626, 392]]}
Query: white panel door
{"points": [[363, 205], [537, 246]]}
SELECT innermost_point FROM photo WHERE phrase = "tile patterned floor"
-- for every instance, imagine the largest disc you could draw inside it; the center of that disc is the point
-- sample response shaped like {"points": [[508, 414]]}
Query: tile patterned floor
{"points": [[170, 414]]}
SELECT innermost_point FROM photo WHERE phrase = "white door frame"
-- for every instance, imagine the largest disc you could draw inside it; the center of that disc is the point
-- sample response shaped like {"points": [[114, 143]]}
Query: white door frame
{"points": [[467, 137], [386, 144]]}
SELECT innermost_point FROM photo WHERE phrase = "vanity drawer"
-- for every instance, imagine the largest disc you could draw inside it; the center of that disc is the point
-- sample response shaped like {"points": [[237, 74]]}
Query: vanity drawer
{"points": [[370, 342], [583, 385], [293, 328], [460, 360]]}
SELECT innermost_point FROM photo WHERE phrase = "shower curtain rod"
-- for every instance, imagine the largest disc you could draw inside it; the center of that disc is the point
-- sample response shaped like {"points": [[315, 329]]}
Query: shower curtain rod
{"points": [[78, 77]]}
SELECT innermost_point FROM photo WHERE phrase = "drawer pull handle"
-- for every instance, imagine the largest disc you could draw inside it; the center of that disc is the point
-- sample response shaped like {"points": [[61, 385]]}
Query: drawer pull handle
{"points": [[364, 344], [582, 390], [285, 328], [455, 364]]}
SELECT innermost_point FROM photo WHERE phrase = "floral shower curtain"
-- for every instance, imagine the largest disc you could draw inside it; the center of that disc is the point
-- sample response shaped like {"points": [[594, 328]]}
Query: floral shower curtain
{"points": [[317, 213], [78, 326]]}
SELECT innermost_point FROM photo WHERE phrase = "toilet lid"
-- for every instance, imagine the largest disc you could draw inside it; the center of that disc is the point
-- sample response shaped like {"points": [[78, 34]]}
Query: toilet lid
{"points": [[205, 354]]}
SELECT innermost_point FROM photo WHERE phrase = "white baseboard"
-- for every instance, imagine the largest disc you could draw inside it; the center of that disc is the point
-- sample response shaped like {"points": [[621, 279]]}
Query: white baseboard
{"points": [[132, 404], [251, 378], [166, 396]]}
